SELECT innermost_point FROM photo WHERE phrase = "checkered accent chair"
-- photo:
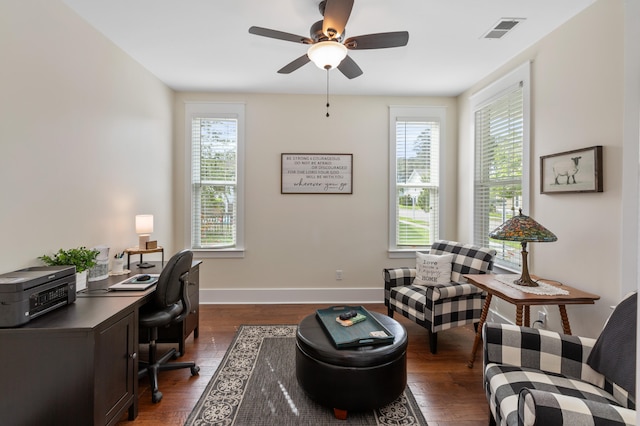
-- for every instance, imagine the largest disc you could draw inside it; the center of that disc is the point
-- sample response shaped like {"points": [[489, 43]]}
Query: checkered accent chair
{"points": [[540, 377], [443, 306]]}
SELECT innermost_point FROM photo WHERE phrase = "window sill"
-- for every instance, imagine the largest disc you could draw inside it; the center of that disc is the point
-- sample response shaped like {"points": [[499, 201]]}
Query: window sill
{"points": [[502, 269], [218, 254], [406, 254]]}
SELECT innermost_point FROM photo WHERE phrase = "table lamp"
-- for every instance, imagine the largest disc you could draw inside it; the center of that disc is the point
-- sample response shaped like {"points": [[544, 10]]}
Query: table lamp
{"points": [[523, 229], [144, 227]]}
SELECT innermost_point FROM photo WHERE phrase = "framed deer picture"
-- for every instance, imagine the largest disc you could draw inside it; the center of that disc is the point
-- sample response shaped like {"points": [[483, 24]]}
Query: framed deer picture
{"points": [[579, 170]]}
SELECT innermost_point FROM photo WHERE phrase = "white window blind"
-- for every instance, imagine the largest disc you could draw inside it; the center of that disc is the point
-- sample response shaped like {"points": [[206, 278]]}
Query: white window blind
{"points": [[499, 160], [216, 186], [415, 193]]}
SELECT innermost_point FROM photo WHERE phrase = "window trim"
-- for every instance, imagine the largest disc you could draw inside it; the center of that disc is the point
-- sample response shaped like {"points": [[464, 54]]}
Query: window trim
{"points": [[488, 95], [216, 110], [421, 112]]}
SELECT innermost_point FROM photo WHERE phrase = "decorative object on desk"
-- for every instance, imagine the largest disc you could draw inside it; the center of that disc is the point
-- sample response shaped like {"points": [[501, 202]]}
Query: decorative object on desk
{"points": [[151, 245], [118, 264], [100, 270], [81, 257], [137, 250], [523, 229], [144, 227]]}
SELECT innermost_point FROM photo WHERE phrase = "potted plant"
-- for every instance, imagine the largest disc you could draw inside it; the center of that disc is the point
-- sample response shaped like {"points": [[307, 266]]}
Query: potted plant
{"points": [[82, 258]]}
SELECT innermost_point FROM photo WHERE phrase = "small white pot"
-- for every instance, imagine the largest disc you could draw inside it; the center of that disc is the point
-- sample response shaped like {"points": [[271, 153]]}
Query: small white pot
{"points": [[81, 280]]}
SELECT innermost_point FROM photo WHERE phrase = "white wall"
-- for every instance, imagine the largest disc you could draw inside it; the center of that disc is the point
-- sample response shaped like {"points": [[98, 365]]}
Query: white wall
{"points": [[87, 142], [577, 95], [85, 137], [631, 161], [299, 241]]}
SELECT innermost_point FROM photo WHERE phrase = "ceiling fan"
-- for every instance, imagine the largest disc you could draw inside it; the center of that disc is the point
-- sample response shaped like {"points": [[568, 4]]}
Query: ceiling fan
{"points": [[327, 48]]}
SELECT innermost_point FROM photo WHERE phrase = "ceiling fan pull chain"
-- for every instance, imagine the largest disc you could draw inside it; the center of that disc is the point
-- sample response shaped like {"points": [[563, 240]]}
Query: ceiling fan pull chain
{"points": [[327, 92]]}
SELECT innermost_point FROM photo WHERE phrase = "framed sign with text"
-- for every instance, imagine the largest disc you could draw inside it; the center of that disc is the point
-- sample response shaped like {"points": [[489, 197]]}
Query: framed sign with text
{"points": [[316, 173]]}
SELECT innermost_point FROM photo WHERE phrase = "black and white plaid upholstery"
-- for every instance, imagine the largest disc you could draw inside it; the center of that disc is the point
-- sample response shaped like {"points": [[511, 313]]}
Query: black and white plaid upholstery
{"points": [[540, 377], [443, 306]]}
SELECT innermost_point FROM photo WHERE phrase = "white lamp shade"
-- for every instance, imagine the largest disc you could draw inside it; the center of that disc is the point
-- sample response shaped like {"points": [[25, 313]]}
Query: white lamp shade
{"points": [[144, 224], [327, 54]]}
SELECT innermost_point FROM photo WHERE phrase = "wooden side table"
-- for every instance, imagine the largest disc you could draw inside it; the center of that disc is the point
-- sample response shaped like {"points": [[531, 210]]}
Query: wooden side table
{"points": [[523, 301], [137, 250]]}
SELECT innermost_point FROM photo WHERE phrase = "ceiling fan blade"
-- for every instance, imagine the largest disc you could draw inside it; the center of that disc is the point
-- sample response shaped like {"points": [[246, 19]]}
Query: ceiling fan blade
{"points": [[336, 15], [378, 40], [294, 65], [266, 32], [349, 68]]}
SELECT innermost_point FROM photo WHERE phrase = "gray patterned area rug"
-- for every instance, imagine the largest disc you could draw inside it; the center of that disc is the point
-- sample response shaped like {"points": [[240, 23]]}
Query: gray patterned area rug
{"points": [[256, 384]]}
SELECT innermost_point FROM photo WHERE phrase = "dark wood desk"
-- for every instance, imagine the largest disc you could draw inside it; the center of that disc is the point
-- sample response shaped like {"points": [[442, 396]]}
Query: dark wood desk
{"points": [[78, 364], [523, 301], [176, 333]]}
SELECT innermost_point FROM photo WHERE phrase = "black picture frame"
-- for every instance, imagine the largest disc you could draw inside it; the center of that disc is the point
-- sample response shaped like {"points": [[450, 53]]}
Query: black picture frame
{"points": [[575, 171], [312, 173]]}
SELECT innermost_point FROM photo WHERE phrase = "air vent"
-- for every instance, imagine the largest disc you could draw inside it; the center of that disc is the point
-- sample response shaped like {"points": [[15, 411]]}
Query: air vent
{"points": [[502, 28]]}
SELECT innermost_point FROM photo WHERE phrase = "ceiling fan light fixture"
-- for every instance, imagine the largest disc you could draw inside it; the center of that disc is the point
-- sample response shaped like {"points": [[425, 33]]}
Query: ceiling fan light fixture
{"points": [[327, 54]]}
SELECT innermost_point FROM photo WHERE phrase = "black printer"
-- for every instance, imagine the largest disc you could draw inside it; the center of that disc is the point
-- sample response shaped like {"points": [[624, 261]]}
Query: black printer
{"points": [[31, 292]]}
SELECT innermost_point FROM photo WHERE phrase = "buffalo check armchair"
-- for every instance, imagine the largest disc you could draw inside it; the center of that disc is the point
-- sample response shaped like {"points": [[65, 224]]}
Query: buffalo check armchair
{"points": [[540, 377], [440, 307]]}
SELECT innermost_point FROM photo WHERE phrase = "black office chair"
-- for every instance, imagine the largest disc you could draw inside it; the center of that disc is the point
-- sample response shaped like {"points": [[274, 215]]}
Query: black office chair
{"points": [[170, 304]]}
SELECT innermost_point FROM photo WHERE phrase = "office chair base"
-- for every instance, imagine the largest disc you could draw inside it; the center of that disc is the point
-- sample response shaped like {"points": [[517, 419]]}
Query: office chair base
{"points": [[162, 365]]}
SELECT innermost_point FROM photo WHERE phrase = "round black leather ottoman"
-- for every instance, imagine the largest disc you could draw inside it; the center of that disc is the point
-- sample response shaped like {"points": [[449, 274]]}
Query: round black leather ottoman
{"points": [[353, 379]]}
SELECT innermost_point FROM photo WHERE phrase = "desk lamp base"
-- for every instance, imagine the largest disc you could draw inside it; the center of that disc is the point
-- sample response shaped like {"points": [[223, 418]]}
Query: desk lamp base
{"points": [[525, 279]]}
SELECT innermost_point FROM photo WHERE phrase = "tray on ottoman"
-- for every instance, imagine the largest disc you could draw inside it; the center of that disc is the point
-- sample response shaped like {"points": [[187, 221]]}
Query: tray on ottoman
{"points": [[367, 332]]}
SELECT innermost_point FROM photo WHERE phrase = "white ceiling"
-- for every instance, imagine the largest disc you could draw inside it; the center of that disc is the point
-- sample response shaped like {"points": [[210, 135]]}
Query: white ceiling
{"points": [[204, 45]]}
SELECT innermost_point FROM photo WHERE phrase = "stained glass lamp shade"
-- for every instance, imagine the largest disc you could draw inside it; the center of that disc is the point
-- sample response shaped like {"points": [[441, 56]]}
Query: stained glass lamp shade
{"points": [[523, 229]]}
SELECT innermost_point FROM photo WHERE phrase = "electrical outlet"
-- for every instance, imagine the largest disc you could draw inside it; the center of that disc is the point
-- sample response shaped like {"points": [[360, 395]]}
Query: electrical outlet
{"points": [[338, 274], [542, 317]]}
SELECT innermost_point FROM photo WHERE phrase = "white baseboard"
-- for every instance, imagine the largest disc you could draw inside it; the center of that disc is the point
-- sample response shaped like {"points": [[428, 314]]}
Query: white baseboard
{"points": [[229, 296], [494, 316], [291, 295]]}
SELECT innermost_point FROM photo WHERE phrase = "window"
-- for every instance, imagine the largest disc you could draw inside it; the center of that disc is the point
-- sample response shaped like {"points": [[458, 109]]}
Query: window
{"points": [[501, 177], [416, 135], [215, 136]]}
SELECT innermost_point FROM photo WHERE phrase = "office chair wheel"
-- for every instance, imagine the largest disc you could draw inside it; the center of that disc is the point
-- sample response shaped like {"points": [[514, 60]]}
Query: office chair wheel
{"points": [[194, 370], [156, 396]]}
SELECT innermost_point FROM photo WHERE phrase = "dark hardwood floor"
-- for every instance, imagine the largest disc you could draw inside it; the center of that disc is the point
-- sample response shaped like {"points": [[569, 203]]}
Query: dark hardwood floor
{"points": [[448, 392]]}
